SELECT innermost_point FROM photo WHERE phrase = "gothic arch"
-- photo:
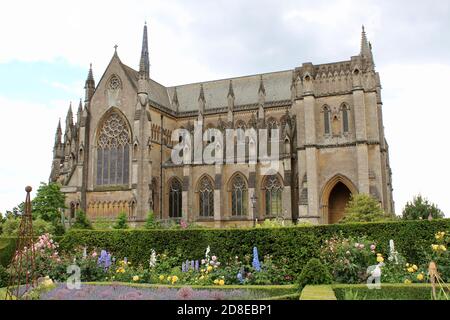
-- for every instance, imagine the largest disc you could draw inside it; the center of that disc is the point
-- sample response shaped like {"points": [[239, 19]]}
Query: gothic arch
{"points": [[113, 143], [205, 196], [238, 194], [272, 195], [175, 197], [337, 189]]}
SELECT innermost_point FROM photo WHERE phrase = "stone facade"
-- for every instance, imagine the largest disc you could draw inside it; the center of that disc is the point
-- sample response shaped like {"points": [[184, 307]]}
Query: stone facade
{"points": [[114, 157]]}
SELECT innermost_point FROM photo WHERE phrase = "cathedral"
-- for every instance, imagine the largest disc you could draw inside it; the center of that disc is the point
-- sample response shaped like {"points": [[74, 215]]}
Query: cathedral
{"points": [[117, 155]]}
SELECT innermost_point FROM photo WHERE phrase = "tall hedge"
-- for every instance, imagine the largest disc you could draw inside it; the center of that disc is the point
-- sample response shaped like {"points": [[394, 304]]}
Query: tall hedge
{"points": [[296, 245]]}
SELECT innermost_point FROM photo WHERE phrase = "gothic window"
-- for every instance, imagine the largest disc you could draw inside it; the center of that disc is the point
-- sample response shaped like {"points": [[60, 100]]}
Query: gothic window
{"points": [[113, 151], [272, 192], [345, 118], [206, 198], [326, 119], [239, 196], [175, 199], [115, 83]]}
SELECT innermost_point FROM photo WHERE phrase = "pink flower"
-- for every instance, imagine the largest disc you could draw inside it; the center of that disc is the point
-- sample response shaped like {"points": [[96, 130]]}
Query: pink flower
{"points": [[373, 247], [94, 254], [214, 258]]}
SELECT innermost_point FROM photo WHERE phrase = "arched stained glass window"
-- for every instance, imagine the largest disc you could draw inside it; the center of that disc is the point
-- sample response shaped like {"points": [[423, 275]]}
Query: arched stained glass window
{"points": [[206, 198], [175, 199], [239, 196], [273, 191], [113, 151]]}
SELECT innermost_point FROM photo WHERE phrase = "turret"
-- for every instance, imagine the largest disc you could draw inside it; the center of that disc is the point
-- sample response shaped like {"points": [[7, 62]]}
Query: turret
{"points": [[89, 86]]}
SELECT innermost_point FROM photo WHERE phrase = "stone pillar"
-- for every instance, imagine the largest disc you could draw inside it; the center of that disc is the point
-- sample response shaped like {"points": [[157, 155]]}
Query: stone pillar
{"points": [[217, 197], [314, 213], [361, 138], [253, 213], [286, 195], [186, 195]]}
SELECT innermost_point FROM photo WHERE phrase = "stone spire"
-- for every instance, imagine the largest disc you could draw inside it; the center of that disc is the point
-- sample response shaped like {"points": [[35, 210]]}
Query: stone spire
{"points": [[261, 99], [58, 134], [175, 101], [144, 65], [69, 118], [230, 90], [230, 97], [366, 51], [79, 112], [201, 100], [89, 86]]}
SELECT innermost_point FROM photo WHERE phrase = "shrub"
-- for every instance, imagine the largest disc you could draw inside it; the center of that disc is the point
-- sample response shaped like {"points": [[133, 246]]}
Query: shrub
{"points": [[151, 222], [349, 258], [420, 208], [4, 277], [290, 247], [40, 226], [121, 222], [364, 208], [81, 221], [314, 273]]}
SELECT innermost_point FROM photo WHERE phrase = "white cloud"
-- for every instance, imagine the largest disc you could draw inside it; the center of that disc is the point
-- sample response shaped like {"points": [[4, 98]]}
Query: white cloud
{"points": [[416, 117], [27, 131]]}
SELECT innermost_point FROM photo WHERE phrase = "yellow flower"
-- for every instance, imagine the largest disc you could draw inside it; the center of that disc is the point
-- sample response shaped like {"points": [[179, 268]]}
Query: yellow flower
{"points": [[407, 281], [169, 278], [415, 267], [435, 247], [380, 259], [201, 278], [136, 278], [221, 282], [174, 279], [420, 276], [161, 277], [216, 281], [379, 255], [410, 270], [442, 248], [209, 268], [407, 265]]}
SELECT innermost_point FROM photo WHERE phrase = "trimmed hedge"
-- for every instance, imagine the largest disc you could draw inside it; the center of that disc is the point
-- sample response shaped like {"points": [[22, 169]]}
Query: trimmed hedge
{"points": [[419, 291], [292, 247], [7, 248]]}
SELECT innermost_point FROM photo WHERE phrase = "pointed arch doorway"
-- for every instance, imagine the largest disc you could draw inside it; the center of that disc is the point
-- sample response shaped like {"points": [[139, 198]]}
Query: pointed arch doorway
{"points": [[335, 197]]}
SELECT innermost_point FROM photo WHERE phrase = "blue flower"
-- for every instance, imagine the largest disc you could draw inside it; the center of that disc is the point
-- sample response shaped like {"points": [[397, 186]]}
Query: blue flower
{"points": [[256, 264]]}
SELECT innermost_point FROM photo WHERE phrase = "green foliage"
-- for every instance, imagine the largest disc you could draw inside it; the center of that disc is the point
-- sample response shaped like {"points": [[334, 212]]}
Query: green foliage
{"points": [[103, 224], [314, 273], [348, 258], [151, 222], [121, 222], [420, 208], [48, 203], [11, 227], [363, 208], [387, 292], [81, 221], [4, 277]]}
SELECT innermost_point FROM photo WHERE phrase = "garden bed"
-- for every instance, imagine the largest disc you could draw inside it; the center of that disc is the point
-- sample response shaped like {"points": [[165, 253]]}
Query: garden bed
{"points": [[362, 292], [127, 291]]}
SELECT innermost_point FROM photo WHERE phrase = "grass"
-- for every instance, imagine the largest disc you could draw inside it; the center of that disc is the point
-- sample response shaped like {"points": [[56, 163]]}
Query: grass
{"points": [[322, 292]]}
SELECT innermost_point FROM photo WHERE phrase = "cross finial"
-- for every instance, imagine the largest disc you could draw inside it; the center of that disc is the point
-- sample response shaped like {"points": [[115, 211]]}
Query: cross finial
{"points": [[115, 48]]}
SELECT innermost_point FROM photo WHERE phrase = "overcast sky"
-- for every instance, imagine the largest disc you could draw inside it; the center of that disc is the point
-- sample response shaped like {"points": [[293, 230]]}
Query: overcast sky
{"points": [[46, 48]]}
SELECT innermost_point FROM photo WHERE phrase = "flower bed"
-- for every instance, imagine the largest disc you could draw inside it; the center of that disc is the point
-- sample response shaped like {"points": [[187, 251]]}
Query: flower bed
{"points": [[122, 291]]}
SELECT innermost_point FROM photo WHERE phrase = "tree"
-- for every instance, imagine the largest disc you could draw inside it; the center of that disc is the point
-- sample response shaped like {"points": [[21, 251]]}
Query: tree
{"points": [[151, 222], [121, 222], [364, 208], [420, 208], [81, 221], [314, 273], [49, 202], [11, 227]]}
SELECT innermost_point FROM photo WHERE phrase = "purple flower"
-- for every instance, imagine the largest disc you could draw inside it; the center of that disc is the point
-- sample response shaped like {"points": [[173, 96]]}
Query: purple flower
{"points": [[197, 267], [256, 264]]}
